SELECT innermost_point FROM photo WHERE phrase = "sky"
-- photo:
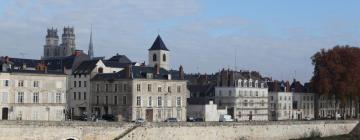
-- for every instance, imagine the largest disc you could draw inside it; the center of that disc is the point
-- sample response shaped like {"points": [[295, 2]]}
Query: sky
{"points": [[276, 38]]}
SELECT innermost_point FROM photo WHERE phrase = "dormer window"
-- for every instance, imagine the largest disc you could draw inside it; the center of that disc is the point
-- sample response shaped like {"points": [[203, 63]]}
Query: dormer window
{"points": [[100, 70], [250, 83], [154, 57], [256, 84], [245, 84]]}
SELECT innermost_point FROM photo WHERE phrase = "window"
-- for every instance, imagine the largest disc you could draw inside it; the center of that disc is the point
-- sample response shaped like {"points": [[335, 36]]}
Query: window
{"points": [[149, 87], [6, 84], [106, 87], [115, 100], [36, 97], [138, 87], [20, 97], [97, 99], [79, 95], [169, 89], [159, 101], [164, 57], [125, 87], [74, 95], [149, 102], [97, 88], [251, 103], [100, 70], [245, 103], [272, 98], [256, 93], [138, 101], [79, 83], [178, 101], [251, 93], [84, 95], [229, 92], [115, 87], [159, 89], [36, 83], [124, 101], [106, 99], [280, 98], [58, 97], [21, 83], [178, 89], [85, 83], [262, 103], [154, 57], [74, 83]]}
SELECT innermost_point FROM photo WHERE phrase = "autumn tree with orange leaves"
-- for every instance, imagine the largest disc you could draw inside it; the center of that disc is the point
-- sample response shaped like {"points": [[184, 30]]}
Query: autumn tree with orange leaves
{"points": [[337, 73]]}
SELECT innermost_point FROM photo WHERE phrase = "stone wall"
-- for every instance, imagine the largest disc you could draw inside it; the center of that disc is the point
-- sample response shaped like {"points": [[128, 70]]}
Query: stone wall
{"points": [[15, 130], [29, 130], [281, 130]]}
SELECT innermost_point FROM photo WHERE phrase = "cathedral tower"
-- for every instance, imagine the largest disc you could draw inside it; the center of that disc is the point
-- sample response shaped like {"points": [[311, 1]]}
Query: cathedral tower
{"points": [[159, 54], [51, 47], [68, 41]]}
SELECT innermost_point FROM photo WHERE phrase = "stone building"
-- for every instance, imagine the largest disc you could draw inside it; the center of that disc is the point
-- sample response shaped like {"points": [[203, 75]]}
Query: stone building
{"points": [[150, 92], [52, 49], [329, 108], [280, 101], [32, 94], [243, 93], [79, 98], [303, 101]]}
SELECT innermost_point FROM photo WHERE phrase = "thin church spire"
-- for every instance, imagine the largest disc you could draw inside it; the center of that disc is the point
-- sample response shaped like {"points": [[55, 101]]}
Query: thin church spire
{"points": [[91, 49]]}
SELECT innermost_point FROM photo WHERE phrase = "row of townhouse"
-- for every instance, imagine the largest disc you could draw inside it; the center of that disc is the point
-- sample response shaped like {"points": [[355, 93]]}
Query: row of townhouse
{"points": [[77, 87]]}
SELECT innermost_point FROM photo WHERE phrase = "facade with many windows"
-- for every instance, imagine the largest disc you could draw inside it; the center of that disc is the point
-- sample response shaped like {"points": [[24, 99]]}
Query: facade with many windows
{"points": [[243, 94], [32, 95]]}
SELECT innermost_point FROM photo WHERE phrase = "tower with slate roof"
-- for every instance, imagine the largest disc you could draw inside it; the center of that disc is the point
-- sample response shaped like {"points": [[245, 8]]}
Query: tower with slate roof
{"points": [[159, 54]]}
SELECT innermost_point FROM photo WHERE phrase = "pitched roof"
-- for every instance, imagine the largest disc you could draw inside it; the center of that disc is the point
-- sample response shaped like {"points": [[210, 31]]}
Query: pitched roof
{"points": [[120, 59], [86, 67], [138, 72], [115, 64], [158, 44]]}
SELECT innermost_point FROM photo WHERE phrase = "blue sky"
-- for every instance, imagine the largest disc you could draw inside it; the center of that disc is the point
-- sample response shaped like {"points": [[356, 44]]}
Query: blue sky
{"points": [[276, 38]]}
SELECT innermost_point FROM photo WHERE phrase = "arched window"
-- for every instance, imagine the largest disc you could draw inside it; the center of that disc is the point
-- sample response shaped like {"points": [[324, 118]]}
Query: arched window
{"points": [[164, 57], [100, 70], [154, 57]]}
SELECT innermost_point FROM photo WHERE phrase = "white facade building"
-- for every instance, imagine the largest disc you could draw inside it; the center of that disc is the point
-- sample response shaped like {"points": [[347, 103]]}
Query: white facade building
{"points": [[245, 98], [32, 95]]}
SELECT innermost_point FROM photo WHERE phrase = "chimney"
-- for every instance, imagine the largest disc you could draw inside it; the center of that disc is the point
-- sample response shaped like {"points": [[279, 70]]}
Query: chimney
{"points": [[181, 72], [128, 71], [157, 69], [77, 52]]}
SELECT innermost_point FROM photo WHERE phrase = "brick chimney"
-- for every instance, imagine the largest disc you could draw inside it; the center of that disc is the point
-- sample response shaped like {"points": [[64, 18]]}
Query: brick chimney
{"points": [[157, 69], [181, 73]]}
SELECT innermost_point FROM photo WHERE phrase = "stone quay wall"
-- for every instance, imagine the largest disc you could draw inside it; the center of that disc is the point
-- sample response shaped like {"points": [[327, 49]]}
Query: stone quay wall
{"points": [[282, 130]]}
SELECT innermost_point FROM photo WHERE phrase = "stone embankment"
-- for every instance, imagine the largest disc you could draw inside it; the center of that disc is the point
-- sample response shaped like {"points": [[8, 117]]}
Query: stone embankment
{"points": [[31, 130]]}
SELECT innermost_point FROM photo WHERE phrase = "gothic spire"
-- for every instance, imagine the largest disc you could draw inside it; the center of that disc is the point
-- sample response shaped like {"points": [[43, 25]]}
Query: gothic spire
{"points": [[91, 49]]}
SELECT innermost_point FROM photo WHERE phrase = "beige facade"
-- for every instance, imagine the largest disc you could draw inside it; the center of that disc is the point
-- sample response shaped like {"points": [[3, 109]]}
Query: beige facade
{"points": [[79, 98], [26, 95], [330, 108], [281, 106], [152, 99]]}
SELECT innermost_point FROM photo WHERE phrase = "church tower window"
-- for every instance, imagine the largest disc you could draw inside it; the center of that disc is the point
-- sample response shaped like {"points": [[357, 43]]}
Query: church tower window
{"points": [[154, 57], [164, 57]]}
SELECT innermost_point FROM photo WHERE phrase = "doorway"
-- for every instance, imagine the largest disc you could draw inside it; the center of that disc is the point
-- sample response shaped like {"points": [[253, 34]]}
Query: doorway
{"points": [[5, 112], [149, 115]]}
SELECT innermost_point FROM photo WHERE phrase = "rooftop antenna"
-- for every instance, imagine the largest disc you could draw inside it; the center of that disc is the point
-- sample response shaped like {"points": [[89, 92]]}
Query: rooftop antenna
{"points": [[235, 65]]}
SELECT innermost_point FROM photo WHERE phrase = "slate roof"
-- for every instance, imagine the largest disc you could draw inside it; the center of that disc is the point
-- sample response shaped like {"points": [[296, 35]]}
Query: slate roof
{"points": [[69, 62], [86, 67], [36, 72], [115, 64], [138, 72], [18, 62], [120, 59], [158, 44]]}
